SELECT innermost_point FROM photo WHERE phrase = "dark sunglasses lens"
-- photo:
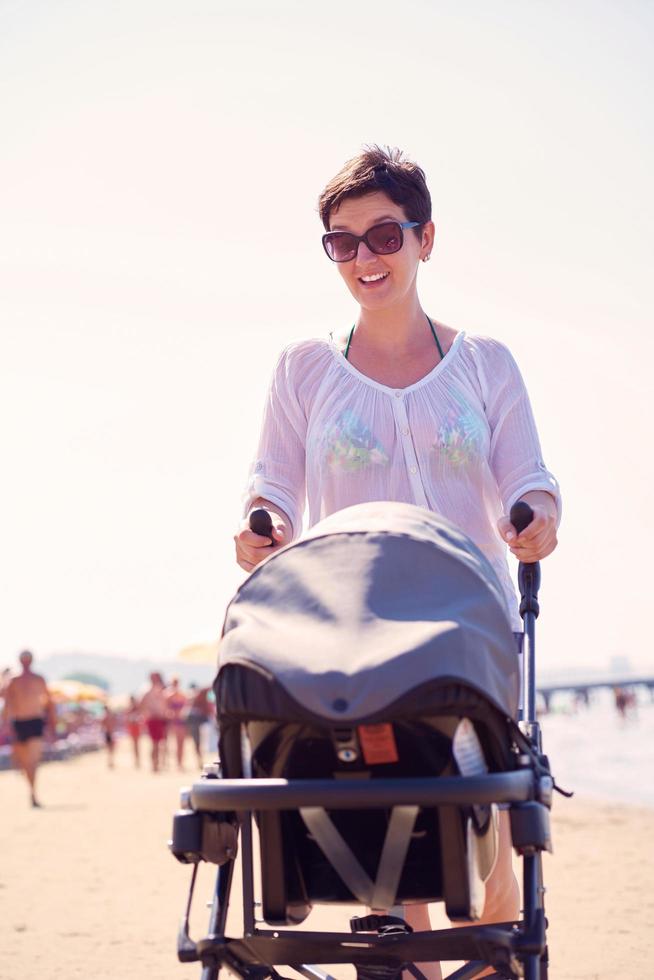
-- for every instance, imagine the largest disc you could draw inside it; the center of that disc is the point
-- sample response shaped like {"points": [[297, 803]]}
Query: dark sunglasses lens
{"points": [[340, 246], [385, 239]]}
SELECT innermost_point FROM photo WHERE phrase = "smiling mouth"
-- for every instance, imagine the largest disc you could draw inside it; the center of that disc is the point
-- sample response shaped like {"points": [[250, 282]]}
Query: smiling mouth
{"points": [[377, 277]]}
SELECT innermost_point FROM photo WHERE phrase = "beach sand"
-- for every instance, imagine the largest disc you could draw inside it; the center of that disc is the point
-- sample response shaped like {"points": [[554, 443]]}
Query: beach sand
{"points": [[88, 888]]}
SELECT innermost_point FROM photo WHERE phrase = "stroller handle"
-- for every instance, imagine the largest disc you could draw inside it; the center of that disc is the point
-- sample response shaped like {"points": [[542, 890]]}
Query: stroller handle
{"points": [[521, 515], [261, 522]]}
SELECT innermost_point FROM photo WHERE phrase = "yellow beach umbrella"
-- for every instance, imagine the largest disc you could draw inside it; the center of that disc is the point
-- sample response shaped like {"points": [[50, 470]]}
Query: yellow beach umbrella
{"points": [[75, 691], [199, 653]]}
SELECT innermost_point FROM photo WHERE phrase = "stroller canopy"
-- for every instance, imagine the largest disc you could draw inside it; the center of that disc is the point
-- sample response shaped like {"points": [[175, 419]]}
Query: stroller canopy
{"points": [[369, 604]]}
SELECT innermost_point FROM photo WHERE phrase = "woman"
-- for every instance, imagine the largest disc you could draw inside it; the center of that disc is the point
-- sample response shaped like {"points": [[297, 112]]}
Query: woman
{"points": [[133, 728], [177, 702], [404, 408]]}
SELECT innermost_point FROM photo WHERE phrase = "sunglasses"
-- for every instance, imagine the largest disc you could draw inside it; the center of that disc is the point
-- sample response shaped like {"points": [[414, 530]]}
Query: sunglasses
{"points": [[382, 239]]}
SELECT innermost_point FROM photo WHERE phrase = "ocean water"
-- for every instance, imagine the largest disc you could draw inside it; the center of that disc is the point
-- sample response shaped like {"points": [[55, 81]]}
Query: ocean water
{"points": [[597, 753]]}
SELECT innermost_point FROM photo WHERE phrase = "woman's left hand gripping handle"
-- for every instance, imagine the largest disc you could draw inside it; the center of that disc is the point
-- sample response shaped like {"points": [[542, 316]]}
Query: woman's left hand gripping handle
{"points": [[260, 535]]}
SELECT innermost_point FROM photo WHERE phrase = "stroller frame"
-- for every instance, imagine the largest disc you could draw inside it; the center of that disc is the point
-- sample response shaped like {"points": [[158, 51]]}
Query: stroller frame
{"points": [[513, 949]]}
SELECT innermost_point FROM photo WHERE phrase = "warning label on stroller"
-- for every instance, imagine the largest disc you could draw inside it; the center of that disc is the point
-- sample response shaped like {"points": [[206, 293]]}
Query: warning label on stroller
{"points": [[378, 744]]}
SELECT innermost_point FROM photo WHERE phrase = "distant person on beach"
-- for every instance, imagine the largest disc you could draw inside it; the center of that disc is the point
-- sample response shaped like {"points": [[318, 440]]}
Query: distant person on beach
{"points": [[154, 709], [582, 698], [176, 702], [133, 727], [29, 709], [401, 407], [5, 728], [625, 701], [199, 713], [109, 730]]}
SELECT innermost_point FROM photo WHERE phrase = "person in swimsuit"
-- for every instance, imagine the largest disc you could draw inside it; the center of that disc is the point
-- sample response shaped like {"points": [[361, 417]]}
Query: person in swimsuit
{"points": [[199, 713], [109, 730], [133, 727], [404, 408], [28, 707], [154, 709], [177, 703], [5, 677]]}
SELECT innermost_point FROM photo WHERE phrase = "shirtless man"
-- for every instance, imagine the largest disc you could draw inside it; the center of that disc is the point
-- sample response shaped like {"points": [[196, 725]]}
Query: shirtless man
{"points": [[154, 709], [28, 707]]}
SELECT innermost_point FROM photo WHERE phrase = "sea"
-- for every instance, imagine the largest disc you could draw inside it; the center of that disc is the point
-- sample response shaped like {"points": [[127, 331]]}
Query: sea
{"points": [[598, 753]]}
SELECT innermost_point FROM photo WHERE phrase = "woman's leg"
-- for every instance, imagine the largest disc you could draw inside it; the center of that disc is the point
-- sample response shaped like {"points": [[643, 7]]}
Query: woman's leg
{"points": [[502, 890], [417, 917], [502, 902], [180, 735], [136, 749], [196, 735]]}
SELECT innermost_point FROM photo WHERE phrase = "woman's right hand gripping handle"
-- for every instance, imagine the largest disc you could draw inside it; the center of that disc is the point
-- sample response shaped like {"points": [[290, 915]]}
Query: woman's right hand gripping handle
{"points": [[264, 531]]}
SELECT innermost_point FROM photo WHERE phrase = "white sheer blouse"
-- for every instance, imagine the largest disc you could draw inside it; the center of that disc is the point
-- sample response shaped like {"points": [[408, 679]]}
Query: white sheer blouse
{"points": [[461, 441]]}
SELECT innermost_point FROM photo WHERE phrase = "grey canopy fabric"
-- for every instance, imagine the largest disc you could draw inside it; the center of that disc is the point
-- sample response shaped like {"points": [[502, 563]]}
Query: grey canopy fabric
{"points": [[370, 603]]}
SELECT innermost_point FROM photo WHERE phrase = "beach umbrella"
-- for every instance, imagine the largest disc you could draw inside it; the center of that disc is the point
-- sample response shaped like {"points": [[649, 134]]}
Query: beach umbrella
{"points": [[200, 653], [77, 691]]}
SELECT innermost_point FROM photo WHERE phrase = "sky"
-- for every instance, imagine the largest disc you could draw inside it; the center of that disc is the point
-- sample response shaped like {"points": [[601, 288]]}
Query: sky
{"points": [[160, 165]]}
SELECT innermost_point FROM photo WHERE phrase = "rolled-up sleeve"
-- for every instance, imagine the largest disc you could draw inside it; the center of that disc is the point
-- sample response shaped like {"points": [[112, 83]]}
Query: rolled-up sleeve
{"points": [[516, 459], [278, 470]]}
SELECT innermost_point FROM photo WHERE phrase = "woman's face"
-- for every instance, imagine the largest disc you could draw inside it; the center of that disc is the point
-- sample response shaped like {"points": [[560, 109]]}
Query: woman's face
{"points": [[379, 281]]}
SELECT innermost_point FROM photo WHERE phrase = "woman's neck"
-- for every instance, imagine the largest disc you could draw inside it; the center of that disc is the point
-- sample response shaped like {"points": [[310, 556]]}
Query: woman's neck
{"points": [[397, 328]]}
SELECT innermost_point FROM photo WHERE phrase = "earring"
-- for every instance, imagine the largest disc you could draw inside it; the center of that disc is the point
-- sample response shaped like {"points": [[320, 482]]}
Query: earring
{"points": [[427, 257]]}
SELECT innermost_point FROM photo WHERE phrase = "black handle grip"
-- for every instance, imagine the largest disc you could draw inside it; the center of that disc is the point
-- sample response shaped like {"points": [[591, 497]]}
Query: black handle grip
{"points": [[261, 523], [521, 515]]}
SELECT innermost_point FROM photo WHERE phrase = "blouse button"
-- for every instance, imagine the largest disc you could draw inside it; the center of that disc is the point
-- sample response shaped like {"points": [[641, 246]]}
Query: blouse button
{"points": [[398, 394], [414, 469], [405, 431]]}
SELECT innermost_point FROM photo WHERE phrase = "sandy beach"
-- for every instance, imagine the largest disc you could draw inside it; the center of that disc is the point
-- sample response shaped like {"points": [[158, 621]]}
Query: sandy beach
{"points": [[88, 888]]}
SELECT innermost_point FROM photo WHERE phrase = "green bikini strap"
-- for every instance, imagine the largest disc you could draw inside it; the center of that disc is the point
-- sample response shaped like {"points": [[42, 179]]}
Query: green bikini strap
{"points": [[440, 349], [349, 341]]}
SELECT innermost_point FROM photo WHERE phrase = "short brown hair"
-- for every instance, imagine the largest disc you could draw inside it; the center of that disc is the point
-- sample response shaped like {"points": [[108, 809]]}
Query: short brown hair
{"points": [[381, 169]]}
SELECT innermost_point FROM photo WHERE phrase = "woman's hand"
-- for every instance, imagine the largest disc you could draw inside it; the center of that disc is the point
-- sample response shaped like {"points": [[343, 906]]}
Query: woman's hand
{"points": [[251, 548], [538, 540]]}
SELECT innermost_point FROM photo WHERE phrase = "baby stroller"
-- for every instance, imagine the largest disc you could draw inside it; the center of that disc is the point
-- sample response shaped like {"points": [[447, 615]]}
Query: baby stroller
{"points": [[367, 698]]}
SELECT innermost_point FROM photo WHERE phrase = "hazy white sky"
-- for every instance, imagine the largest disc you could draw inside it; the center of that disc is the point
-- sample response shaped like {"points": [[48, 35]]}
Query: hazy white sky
{"points": [[160, 164]]}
